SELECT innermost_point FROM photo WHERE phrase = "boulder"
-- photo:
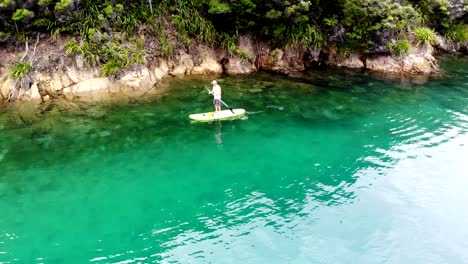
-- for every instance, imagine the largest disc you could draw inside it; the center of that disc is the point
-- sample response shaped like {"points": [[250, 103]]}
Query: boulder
{"points": [[77, 75], [208, 61], [43, 87], [441, 44], [66, 81], [6, 83], [162, 70], [90, 89], [245, 44], [52, 82], [178, 70], [186, 60], [383, 64], [182, 64], [416, 64], [283, 61], [312, 57], [238, 66], [56, 82], [353, 62], [79, 62], [138, 79], [198, 70], [418, 61], [273, 61], [33, 92]]}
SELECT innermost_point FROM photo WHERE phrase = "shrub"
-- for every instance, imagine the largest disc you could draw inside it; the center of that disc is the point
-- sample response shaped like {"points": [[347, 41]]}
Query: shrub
{"points": [[21, 70], [458, 33], [229, 42], [365, 18], [62, 5], [305, 36], [111, 67], [72, 48], [166, 45], [425, 36], [400, 47], [218, 8], [350, 46], [21, 14]]}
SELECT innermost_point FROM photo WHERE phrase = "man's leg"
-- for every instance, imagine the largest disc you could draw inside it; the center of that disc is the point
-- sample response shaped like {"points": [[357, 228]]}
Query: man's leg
{"points": [[218, 105]]}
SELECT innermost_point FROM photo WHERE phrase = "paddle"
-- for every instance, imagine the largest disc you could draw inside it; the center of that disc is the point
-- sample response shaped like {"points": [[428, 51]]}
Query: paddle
{"points": [[227, 106], [223, 103]]}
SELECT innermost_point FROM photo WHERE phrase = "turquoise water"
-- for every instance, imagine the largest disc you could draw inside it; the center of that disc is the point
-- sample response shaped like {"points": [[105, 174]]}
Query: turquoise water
{"points": [[337, 167]]}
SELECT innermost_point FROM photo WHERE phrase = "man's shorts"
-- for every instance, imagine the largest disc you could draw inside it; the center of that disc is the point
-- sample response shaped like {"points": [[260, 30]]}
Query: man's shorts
{"points": [[217, 102]]}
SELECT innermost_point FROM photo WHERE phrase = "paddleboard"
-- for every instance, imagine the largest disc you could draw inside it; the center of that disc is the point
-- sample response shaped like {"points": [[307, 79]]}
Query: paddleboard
{"points": [[222, 115]]}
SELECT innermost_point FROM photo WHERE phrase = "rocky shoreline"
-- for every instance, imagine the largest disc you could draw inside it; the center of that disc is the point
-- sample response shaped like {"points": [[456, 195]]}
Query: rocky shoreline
{"points": [[56, 75]]}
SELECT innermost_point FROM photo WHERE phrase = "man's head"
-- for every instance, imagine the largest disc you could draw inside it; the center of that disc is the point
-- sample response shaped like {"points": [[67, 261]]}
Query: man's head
{"points": [[214, 82]]}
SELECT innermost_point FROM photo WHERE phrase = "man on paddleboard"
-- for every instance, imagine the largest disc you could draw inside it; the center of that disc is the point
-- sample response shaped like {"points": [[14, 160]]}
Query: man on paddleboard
{"points": [[216, 92]]}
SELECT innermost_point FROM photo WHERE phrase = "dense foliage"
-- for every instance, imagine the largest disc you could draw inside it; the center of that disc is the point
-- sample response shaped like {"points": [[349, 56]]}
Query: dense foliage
{"points": [[350, 25], [287, 22]]}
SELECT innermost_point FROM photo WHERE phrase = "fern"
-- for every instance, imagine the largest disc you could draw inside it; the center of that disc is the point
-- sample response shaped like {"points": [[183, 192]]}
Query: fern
{"points": [[458, 33], [424, 36], [72, 48], [21, 70], [111, 68], [401, 47], [21, 14]]}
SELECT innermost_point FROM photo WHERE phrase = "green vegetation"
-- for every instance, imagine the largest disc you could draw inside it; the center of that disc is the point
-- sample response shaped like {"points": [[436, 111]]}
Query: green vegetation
{"points": [[108, 30], [425, 36], [458, 32], [20, 70], [21, 14], [229, 43], [400, 47], [112, 55]]}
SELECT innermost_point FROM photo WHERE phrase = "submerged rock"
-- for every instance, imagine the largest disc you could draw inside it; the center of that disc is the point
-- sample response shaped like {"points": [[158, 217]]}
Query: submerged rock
{"points": [[255, 90]]}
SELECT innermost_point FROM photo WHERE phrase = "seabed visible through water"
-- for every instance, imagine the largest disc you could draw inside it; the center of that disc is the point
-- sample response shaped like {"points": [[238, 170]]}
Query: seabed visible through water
{"points": [[338, 167]]}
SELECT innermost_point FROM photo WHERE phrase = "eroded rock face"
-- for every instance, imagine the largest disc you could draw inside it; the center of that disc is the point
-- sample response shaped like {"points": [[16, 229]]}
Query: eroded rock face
{"points": [[441, 43], [207, 61], [383, 64], [88, 88], [6, 84], [77, 75], [246, 45], [287, 61], [162, 70], [352, 61], [32, 93], [419, 61], [234, 66], [79, 82], [138, 79], [182, 64]]}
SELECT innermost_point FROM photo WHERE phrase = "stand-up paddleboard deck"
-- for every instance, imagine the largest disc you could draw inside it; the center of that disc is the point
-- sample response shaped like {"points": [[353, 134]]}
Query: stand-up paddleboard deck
{"points": [[222, 115]]}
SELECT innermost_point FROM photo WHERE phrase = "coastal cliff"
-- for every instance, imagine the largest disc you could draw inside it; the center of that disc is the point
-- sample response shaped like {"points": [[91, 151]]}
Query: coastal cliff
{"points": [[57, 75], [83, 49]]}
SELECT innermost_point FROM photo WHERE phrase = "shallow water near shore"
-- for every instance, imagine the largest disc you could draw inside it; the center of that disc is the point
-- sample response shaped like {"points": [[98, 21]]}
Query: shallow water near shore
{"points": [[338, 167]]}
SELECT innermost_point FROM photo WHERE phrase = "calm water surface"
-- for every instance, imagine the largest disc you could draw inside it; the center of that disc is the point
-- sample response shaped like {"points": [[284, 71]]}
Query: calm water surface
{"points": [[334, 168]]}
